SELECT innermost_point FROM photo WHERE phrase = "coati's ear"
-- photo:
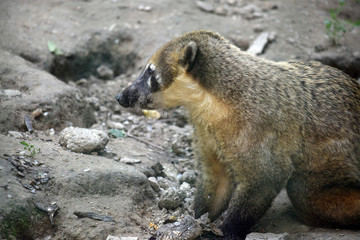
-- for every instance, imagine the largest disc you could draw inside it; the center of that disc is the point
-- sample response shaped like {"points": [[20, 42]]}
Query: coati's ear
{"points": [[188, 56]]}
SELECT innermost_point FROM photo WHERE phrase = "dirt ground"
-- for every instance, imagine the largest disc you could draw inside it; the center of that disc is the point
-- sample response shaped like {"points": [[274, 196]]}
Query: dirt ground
{"points": [[65, 80]]}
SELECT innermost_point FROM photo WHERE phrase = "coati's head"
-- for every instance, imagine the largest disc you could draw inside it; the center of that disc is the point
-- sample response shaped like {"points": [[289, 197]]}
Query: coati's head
{"points": [[168, 79]]}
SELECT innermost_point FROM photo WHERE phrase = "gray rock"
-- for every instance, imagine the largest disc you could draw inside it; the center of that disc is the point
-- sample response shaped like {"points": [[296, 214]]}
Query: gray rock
{"points": [[51, 132], [165, 183], [128, 160], [158, 168], [94, 102], [144, 8], [170, 172], [115, 125], [9, 93], [186, 190], [267, 236], [154, 184], [222, 11], [189, 176], [83, 140], [231, 2], [171, 199], [258, 28], [204, 6], [105, 72], [272, 36], [249, 12], [319, 48], [15, 134], [291, 40]]}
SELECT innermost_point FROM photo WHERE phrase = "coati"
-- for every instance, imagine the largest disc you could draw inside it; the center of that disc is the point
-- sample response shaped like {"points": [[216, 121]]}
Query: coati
{"points": [[260, 126]]}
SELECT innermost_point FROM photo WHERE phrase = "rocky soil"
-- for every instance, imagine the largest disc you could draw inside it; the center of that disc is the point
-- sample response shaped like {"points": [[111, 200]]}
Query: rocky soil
{"points": [[61, 65]]}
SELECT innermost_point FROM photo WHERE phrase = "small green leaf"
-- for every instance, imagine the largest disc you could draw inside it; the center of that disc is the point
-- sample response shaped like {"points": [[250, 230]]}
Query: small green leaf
{"points": [[356, 23], [117, 133], [51, 46], [58, 52], [327, 23], [24, 143]]}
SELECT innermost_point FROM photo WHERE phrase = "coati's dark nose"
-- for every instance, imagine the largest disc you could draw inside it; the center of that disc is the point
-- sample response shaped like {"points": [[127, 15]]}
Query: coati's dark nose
{"points": [[120, 98]]}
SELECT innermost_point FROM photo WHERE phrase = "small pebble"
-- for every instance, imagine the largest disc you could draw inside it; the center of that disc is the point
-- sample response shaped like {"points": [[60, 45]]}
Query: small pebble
{"points": [[37, 112], [144, 8], [130, 161]]}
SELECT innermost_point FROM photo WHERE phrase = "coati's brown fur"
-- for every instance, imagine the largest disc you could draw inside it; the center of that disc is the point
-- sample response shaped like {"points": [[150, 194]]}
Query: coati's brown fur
{"points": [[260, 126]]}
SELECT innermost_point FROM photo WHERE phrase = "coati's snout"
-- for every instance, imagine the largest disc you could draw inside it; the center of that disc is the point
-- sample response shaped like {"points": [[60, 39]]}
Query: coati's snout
{"points": [[128, 97], [142, 92]]}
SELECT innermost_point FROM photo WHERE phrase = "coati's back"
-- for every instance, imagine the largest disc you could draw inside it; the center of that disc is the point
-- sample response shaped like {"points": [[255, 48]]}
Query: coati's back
{"points": [[332, 102]]}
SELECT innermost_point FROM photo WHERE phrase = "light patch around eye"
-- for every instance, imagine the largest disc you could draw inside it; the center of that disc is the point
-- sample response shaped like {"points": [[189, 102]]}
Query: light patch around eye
{"points": [[149, 82], [152, 67], [158, 78]]}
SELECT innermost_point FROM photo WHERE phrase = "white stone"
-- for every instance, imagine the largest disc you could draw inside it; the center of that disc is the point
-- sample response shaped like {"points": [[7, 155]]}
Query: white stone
{"points": [[83, 140], [154, 184], [15, 134], [11, 93], [114, 125], [130, 161], [258, 46]]}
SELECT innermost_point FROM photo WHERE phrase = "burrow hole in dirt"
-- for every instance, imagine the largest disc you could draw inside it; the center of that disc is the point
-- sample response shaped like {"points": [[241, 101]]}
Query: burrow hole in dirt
{"points": [[116, 51]]}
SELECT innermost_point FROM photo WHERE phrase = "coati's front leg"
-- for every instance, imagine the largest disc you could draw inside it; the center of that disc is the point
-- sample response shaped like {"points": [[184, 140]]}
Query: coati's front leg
{"points": [[258, 182], [207, 198], [214, 189], [246, 207], [241, 189]]}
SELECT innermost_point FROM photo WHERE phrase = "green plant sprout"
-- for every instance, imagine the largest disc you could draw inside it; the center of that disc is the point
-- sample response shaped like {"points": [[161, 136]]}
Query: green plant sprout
{"points": [[31, 149], [53, 48], [336, 28]]}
